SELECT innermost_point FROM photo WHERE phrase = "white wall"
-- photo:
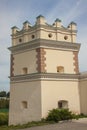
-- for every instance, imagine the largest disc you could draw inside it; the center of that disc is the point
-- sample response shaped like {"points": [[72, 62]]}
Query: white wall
{"points": [[56, 58], [53, 91], [83, 95], [25, 91], [26, 59]]}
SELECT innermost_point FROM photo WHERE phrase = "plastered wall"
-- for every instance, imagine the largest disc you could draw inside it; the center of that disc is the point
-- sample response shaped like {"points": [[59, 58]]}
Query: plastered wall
{"points": [[29, 92], [53, 91], [83, 95], [56, 58], [25, 59]]}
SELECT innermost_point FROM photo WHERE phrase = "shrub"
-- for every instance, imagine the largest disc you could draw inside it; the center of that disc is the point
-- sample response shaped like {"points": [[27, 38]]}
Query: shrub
{"points": [[60, 114], [53, 115], [3, 119], [82, 115], [65, 114]]}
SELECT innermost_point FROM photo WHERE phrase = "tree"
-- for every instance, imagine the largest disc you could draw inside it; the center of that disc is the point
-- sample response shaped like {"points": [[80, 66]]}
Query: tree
{"points": [[3, 94], [8, 95]]}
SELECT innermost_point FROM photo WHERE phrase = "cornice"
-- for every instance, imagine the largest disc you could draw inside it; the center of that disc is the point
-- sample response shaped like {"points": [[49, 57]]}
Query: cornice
{"points": [[45, 44], [44, 76], [47, 26]]}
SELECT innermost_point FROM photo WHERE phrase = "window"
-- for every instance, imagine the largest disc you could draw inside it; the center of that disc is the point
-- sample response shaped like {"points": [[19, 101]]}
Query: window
{"points": [[62, 104], [25, 70], [65, 37], [24, 104], [60, 69], [50, 35], [20, 40], [33, 36], [59, 104]]}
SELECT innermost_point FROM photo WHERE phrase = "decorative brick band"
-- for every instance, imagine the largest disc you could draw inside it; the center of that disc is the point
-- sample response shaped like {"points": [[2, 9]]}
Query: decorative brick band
{"points": [[12, 66], [41, 60], [75, 63]]}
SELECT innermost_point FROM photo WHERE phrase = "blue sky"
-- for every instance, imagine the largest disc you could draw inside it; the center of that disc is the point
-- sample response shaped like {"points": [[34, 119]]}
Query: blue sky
{"points": [[15, 12]]}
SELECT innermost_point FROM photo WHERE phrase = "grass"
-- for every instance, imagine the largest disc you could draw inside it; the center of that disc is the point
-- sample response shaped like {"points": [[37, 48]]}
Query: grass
{"points": [[28, 125], [4, 110]]}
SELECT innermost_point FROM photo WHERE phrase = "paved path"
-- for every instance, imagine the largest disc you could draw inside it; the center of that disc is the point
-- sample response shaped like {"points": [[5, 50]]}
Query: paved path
{"points": [[74, 125]]}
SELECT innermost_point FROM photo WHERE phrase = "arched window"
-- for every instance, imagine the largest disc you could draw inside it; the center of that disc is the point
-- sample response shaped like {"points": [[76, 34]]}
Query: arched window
{"points": [[60, 69], [63, 104], [25, 70]]}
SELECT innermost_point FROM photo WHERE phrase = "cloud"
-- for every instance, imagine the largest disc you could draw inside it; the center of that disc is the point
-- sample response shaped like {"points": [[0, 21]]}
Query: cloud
{"points": [[67, 11]]}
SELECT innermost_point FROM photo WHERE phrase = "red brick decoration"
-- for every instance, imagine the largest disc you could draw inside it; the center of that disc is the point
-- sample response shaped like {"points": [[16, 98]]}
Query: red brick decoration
{"points": [[41, 60], [75, 63], [12, 66]]}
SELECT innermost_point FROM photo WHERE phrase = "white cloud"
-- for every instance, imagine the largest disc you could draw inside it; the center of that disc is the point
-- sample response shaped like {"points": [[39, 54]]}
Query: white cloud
{"points": [[66, 11]]}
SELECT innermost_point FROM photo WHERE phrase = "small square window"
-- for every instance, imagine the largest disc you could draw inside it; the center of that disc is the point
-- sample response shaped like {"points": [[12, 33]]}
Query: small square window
{"points": [[24, 104], [60, 69], [33, 36], [25, 70], [20, 40]]}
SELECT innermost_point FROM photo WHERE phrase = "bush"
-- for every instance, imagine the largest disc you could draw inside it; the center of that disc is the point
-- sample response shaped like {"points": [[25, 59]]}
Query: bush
{"points": [[60, 114], [65, 114], [53, 115], [3, 119], [82, 115]]}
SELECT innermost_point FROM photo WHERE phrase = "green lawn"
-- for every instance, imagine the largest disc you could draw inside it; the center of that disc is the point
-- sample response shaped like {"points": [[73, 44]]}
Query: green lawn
{"points": [[4, 110]]}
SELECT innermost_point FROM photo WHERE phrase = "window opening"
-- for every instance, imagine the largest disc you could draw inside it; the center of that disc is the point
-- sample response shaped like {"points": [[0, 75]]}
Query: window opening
{"points": [[60, 69], [20, 40], [24, 104], [63, 104], [25, 70]]}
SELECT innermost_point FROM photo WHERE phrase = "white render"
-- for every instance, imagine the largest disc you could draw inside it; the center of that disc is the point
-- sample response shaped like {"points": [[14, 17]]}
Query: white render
{"points": [[52, 62], [30, 92], [54, 91], [27, 59]]}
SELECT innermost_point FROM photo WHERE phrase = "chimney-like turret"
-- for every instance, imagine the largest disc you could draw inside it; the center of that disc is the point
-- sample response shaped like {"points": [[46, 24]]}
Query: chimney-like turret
{"points": [[40, 20], [72, 26], [26, 25], [57, 23], [15, 30]]}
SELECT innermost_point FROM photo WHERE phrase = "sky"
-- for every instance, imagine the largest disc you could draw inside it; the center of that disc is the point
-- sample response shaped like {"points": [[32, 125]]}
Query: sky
{"points": [[16, 12]]}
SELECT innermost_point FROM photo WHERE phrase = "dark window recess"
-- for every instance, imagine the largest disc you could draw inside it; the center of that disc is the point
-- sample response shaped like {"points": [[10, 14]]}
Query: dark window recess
{"points": [[65, 37], [20, 40], [60, 104], [33, 36], [50, 35]]}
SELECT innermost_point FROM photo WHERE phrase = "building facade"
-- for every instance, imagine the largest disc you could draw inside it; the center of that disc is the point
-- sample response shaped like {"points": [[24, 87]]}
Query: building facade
{"points": [[45, 71]]}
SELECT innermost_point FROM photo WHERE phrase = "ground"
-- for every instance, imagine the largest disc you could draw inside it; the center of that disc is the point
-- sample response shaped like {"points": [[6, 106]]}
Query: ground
{"points": [[74, 125]]}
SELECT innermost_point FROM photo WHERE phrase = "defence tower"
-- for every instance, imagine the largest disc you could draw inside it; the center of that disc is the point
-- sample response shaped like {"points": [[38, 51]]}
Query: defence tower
{"points": [[44, 70]]}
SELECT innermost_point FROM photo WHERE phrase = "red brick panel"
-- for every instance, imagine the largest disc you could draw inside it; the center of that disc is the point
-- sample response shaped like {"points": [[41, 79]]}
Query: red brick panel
{"points": [[41, 60], [12, 66], [75, 63]]}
